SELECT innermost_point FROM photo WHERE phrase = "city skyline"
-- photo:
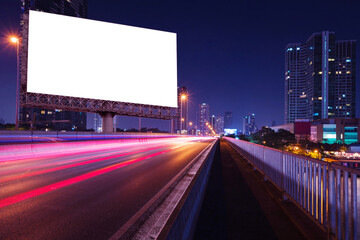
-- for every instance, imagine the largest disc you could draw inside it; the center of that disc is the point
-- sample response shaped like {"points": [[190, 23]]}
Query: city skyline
{"points": [[223, 71]]}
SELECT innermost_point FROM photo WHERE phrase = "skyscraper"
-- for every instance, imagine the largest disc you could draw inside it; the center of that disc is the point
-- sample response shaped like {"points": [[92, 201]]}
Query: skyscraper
{"points": [[228, 119], [319, 78], [212, 121], [219, 124], [51, 118], [345, 79], [74, 8], [204, 110], [249, 126]]}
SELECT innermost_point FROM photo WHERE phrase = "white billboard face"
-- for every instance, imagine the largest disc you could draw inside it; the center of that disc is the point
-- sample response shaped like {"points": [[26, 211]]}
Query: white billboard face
{"points": [[77, 57]]}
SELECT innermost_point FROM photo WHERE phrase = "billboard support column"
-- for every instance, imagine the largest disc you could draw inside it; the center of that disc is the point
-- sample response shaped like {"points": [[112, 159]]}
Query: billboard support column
{"points": [[107, 121]]}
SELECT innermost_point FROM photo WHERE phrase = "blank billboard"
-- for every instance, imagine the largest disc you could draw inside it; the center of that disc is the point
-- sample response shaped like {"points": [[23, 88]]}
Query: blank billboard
{"points": [[84, 58]]}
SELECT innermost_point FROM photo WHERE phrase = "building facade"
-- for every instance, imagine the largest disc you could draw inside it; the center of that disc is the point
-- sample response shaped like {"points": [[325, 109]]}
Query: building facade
{"points": [[249, 126], [204, 117], [219, 124], [330, 130], [345, 79], [52, 119], [212, 120], [339, 130], [74, 8], [313, 81]]}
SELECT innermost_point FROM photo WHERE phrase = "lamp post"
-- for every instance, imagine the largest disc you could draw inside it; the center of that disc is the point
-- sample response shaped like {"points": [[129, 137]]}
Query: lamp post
{"points": [[183, 97], [16, 41]]}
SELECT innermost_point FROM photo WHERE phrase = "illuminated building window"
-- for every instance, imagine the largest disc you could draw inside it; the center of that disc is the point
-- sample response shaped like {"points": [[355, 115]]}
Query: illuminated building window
{"points": [[329, 133], [348, 72], [320, 72], [351, 135], [348, 60], [42, 111]]}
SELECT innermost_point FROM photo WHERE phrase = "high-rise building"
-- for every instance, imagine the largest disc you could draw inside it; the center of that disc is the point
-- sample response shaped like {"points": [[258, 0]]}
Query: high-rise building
{"points": [[320, 78], [228, 119], [212, 121], [249, 126], [219, 124], [182, 122], [53, 119], [345, 79], [74, 8], [204, 110]]}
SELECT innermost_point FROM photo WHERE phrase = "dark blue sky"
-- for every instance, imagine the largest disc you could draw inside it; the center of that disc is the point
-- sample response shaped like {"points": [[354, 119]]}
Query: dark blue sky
{"points": [[230, 53]]}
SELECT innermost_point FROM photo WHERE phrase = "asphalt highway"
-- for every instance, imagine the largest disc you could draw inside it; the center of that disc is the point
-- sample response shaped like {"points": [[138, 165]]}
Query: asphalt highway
{"points": [[84, 190]]}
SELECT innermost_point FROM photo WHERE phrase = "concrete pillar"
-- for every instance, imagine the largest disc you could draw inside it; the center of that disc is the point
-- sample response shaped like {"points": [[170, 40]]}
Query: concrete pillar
{"points": [[107, 121]]}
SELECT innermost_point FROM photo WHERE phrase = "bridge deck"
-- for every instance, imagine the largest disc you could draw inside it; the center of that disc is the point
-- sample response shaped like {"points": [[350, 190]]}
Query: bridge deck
{"points": [[239, 204]]}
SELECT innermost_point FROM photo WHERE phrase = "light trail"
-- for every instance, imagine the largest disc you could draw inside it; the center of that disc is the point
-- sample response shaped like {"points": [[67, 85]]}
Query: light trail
{"points": [[43, 151], [75, 164], [32, 193]]}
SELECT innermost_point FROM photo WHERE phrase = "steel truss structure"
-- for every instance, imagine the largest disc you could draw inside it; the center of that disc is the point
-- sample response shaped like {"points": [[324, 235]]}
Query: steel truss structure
{"points": [[28, 99]]}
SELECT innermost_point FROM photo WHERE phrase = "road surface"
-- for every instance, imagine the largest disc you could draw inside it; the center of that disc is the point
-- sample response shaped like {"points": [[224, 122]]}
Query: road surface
{"points": [[84, 190]]}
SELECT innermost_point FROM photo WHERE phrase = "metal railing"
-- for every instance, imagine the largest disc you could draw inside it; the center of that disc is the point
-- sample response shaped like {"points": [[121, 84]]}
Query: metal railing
{"points": [[326, 192]]}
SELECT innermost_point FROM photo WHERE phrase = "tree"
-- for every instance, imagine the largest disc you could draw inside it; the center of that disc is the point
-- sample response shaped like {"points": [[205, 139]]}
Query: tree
{"points": [[268, 137]]}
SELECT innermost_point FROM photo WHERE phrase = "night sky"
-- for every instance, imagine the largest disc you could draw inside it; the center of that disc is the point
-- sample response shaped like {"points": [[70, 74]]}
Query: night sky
{"points": [[230, 53]]}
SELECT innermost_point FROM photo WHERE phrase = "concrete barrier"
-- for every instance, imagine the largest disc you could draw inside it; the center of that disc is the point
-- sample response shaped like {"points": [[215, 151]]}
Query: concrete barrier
{"points": [[184, 218]]}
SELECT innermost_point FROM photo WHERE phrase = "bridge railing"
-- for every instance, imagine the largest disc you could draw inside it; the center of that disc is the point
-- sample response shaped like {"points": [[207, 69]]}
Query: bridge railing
{"points": [[326, 192]]}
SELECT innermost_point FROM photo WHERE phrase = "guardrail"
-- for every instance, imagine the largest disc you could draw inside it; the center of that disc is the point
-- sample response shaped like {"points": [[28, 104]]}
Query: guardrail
{"points": [[326, 192]]}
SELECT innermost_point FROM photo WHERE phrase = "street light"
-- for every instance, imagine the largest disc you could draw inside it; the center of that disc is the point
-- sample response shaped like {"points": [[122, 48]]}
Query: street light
{"points": [[16, 40], [183, 97]]}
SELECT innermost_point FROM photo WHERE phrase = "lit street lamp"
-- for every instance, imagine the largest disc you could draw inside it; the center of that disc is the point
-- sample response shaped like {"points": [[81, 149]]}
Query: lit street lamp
{"points": [[17, 42], [183, 97]]}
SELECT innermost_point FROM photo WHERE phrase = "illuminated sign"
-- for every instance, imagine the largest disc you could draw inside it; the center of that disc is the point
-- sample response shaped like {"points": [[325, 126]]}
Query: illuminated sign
{"points": [[230, 131]]}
